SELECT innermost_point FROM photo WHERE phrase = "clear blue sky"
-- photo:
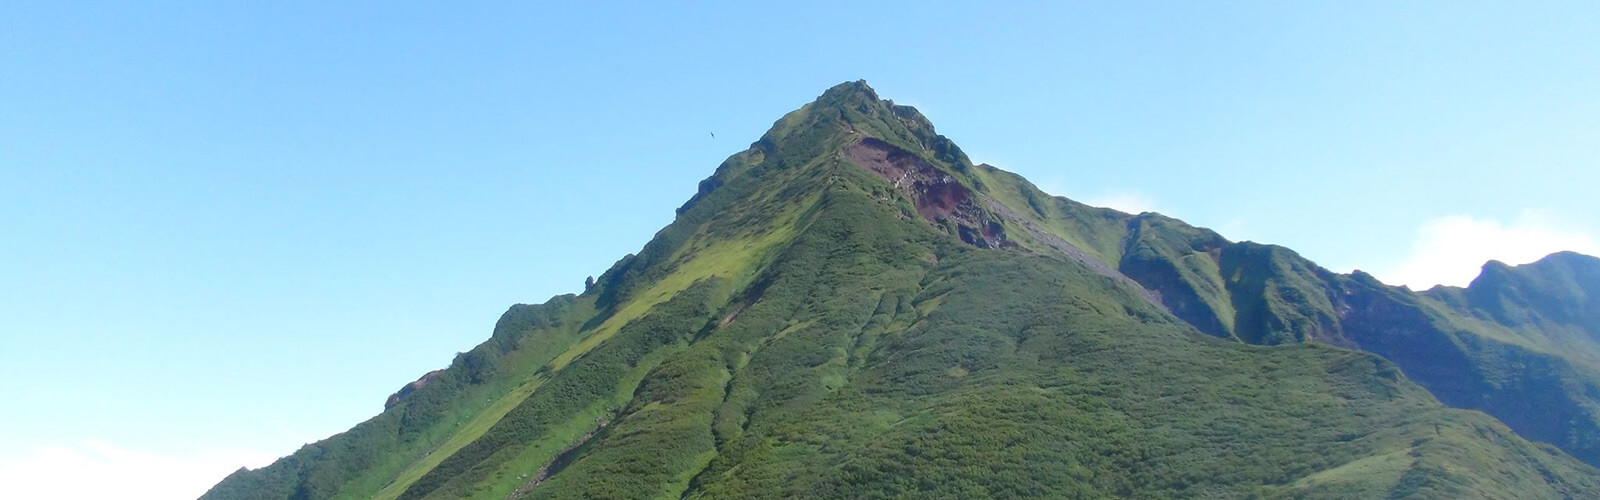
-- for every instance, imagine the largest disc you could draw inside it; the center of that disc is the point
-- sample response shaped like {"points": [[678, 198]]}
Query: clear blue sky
{"points": [[227, 230]]}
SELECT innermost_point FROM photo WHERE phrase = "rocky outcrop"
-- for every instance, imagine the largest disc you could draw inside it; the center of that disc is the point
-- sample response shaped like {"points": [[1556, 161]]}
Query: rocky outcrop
{"points": [[938, 196], [419, 383]]}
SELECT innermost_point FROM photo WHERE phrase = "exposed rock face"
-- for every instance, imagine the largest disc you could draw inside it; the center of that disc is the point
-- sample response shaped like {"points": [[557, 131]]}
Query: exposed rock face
{"points": [[938, 196]]}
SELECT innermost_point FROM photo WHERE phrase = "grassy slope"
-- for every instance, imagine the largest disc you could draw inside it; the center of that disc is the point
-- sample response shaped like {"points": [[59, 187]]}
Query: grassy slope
{"points": [[359, 462], [1522, 344], [833, 380], [794, 334], [728, 233], [1006, 387], [466, 434]]}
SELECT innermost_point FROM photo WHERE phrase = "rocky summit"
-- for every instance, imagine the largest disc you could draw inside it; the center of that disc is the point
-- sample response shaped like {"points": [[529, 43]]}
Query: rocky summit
{"points": [[850, 308]]}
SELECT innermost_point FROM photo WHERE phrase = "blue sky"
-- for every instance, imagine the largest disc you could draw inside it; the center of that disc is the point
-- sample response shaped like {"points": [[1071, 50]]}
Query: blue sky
{"points": [[228, 230]]}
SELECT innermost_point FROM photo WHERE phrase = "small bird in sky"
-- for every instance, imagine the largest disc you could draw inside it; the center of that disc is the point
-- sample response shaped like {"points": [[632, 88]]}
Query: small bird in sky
{"points": [[713, 135]]}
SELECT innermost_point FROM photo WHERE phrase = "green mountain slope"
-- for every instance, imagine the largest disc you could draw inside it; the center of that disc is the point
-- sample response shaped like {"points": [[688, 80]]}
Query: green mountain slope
{"points": [[1522, 344], [851, 309]]}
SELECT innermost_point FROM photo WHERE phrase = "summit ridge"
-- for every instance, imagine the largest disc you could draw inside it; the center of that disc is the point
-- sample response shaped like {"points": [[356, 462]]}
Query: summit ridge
{"points": [[850, 308]]}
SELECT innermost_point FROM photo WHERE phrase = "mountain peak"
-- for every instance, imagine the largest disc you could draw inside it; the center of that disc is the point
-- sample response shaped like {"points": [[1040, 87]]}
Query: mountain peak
{"points": [[850, 299], [849, 90], [1568, 257], [1564, 262], [820, 131]]}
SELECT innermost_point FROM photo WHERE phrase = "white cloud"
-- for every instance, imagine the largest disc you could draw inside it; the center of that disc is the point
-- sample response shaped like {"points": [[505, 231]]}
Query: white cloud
{"points": [[1127, 201], [1451, 250], [92, 469]]}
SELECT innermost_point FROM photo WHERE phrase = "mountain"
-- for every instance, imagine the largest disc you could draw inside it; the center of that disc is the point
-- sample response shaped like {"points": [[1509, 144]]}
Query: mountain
{"points": [[1519, 343], [850, 308]]}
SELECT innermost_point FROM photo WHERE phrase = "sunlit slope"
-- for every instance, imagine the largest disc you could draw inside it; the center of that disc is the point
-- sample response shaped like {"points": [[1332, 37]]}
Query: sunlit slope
{"points": [[851, 309], [1521, 343]]}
